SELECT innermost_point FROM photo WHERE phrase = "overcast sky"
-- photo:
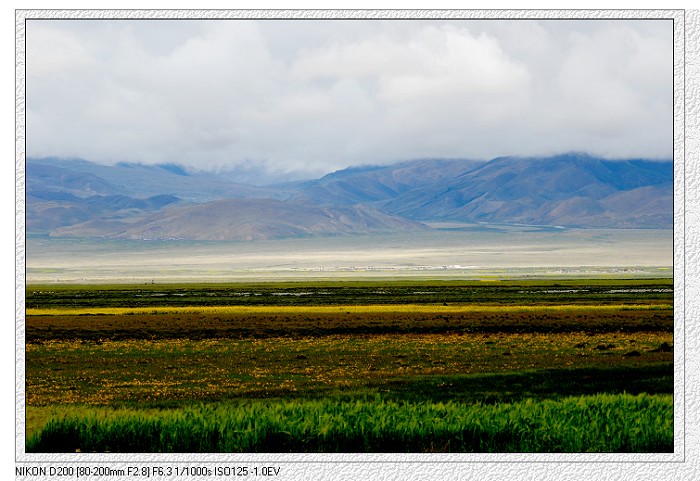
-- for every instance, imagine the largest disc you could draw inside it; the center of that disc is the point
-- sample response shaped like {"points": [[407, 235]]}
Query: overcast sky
{"points": [[319, 95]]}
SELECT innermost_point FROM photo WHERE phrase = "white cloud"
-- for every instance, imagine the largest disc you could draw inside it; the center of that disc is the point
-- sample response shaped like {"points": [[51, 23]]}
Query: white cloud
{"points": [[54, 51], [320, 95]]}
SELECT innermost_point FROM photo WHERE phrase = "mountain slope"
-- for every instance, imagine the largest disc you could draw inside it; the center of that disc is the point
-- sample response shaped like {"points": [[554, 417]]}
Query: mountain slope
{"points": [[65, 192], [78, 198], [244, 219], [134, 180], [45, 215], [572, 190], [358, 185]]}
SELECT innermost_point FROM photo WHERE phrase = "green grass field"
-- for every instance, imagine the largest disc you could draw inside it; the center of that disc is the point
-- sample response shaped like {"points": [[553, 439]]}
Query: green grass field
{"points": [[566, 366], [600, 423]]}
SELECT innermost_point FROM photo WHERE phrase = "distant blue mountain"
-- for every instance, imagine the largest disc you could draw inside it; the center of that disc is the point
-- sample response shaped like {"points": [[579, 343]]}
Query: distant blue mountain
{"points": [[74, 197], [366, 184], [569, 190], [136, 180]]}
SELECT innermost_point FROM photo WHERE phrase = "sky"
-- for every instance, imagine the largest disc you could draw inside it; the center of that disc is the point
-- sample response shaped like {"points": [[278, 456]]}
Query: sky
{"points": [[314, 96]]}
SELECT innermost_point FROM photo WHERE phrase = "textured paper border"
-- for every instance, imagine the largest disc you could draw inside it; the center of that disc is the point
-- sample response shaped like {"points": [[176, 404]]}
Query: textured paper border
{"points": [[681, 464]]}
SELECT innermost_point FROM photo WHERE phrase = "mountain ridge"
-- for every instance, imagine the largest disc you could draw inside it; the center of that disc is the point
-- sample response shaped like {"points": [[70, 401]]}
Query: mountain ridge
{"points": [[528, 190], [73, 197], [244, 219]]}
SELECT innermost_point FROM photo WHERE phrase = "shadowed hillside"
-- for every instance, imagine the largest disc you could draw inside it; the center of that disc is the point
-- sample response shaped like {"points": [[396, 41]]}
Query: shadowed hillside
{"points": [[569, 190]]}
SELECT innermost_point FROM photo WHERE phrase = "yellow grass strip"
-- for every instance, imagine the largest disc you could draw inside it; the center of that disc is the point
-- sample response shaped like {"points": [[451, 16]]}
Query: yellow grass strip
{"points": [[363, 309]]}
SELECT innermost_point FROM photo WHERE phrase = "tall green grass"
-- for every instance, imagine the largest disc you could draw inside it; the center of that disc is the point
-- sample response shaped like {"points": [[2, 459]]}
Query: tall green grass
{"points": [[600, 423]]}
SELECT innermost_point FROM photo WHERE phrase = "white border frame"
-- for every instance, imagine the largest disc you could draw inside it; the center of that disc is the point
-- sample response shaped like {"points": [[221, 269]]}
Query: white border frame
{"points": [[483, 466]]}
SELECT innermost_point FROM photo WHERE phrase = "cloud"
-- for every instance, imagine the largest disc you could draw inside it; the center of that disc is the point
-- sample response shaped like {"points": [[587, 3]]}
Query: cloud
{"points": [[320, 95], [617, 87], [53, 52]]}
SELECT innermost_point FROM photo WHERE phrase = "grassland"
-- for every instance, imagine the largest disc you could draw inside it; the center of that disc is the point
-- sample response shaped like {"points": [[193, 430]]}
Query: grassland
{"points": [[593, 423], [148, 355]]}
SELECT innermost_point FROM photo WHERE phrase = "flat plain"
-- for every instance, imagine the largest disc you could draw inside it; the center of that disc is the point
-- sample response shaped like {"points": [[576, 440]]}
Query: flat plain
{"points": [[150, 352]]}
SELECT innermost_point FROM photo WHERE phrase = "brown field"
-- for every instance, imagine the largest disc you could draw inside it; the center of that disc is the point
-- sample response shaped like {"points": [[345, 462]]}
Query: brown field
{"points": [[125, 371], [285, 322], [210, 354]]}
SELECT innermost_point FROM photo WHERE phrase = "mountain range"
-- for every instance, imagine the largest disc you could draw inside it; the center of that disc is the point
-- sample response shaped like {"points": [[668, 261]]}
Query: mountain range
{"points": [[78, 198]]}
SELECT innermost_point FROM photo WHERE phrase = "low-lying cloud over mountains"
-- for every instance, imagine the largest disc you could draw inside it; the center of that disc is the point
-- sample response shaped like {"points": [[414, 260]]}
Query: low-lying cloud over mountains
{"points": [[76, 198], [318, 94]]}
